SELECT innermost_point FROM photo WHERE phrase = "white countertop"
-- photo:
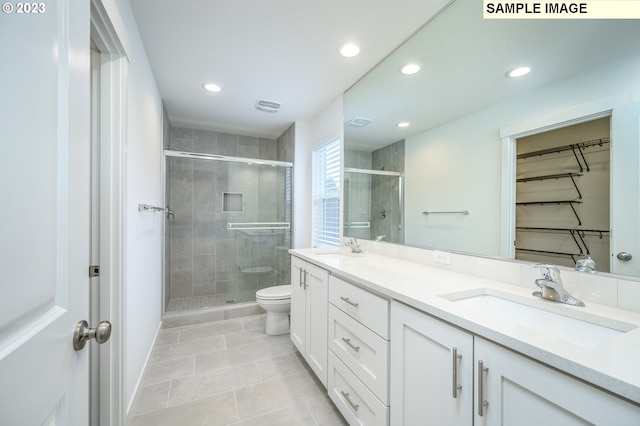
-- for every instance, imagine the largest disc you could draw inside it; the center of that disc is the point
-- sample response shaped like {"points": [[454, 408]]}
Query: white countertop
{"points": [[613, 365]]}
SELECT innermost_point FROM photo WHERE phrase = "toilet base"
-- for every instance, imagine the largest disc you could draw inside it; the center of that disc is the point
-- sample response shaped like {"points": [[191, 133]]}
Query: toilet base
{"points": [[277, 323]]}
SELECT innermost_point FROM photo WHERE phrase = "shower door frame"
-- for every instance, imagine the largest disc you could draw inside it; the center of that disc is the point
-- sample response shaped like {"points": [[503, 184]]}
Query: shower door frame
{"points": [[210, 157]]}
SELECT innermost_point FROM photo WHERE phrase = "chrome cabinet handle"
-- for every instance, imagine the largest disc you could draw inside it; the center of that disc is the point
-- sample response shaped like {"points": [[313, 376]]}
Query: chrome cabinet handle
{"points": [[351, 403], [351, 345], [482, 404], [300, 279], [455, 357], [346, 299], [305, 278]]}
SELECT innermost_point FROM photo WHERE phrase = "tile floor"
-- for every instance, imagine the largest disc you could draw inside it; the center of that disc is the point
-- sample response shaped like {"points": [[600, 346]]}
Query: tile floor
{"points": [[229, 373]]}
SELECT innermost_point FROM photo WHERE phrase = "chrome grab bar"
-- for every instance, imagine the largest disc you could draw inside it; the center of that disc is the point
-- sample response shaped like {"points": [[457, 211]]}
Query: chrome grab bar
{"points": [[147, 207], [462, 212]]}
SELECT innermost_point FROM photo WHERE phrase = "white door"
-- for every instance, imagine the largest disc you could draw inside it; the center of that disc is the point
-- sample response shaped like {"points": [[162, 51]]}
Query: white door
{"points": [[625, 192], [317, 304], [516, 391], [431, 380], [44, 227], [298, 305]]}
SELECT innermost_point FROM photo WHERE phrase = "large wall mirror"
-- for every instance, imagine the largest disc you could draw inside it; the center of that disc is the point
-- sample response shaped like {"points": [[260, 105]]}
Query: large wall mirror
{"points": [[454, 178]]}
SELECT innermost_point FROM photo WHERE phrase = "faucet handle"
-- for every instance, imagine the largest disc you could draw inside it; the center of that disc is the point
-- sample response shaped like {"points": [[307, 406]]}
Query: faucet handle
{"points": [[549, 271]]}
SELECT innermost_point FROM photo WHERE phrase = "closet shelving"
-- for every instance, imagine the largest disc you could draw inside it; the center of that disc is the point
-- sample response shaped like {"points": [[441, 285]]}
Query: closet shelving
{"points": [[577, 234], [578, 150]]}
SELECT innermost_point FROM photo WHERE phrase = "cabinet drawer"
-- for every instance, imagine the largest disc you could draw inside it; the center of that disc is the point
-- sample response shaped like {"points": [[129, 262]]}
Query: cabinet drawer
{"points": [[366, 307], [363, 351], [356, 403]]}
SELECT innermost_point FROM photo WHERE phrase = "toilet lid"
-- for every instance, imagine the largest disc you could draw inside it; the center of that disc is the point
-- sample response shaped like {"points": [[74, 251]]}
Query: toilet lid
{"points": [[276, 292]]}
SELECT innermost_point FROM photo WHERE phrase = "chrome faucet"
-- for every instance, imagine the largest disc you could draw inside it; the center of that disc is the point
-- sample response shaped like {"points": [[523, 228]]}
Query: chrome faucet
{"points": [[355, 247], [551, 286]]}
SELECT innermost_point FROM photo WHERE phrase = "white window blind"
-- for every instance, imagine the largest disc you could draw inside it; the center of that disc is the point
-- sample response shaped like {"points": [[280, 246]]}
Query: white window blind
{"points": [[325, 215]]}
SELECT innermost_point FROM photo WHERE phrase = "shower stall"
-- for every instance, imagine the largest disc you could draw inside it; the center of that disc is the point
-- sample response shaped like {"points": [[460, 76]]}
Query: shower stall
{"points": [[228, 229], [373, 206]]}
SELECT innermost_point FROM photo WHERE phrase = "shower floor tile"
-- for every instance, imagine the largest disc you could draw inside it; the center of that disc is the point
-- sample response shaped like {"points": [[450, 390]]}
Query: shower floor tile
{"points": [[223, 299]]}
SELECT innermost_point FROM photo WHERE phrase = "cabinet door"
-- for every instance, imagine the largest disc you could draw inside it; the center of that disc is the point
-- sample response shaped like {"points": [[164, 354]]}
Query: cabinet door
{"points": [[317, 305], [522, 392], [298, 305], [430, 385]]}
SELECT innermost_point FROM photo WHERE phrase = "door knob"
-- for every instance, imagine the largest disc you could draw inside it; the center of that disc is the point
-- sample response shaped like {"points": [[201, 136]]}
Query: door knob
{"points": [[83, 333], [623, 255]]}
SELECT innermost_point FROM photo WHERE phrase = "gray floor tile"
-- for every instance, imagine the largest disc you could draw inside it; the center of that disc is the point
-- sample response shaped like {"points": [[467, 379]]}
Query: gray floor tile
{"points": [[151, 398], [324, 412], [245, 337], [297, 415], [263, 398], [281, 345], [230, 373], [281, 366], [188, 348], [232, 356], [211, 329], [213, 382], [216, 410], [167, 370]]}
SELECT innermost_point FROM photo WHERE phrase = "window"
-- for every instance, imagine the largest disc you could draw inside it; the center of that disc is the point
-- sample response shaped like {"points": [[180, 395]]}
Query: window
{"points": [[325, 215]]}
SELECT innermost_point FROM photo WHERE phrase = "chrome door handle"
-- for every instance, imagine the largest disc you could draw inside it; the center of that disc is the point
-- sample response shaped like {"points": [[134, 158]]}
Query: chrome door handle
{"points": [[83, 333], [455, 357], [482, 404], [624, 256]]}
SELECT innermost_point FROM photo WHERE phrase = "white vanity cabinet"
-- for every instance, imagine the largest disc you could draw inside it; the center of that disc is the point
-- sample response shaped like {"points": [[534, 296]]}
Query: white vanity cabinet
{"points": [[309, 301], [358, 353], [441, 374], [523, 392], [431, 370]]}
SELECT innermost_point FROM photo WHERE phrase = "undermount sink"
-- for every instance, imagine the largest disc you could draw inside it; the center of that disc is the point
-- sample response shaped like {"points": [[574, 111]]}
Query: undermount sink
{"points": [[555, 320], [337, 254]]}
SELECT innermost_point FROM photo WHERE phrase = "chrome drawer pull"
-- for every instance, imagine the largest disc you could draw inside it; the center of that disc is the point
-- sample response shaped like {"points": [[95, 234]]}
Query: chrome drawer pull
{"points": [[351, 403], [346, 299], [351, 345]]}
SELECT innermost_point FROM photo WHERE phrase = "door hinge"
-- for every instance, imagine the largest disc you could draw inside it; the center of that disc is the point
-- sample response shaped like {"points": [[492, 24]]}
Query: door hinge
{"points": [[94, 271]]}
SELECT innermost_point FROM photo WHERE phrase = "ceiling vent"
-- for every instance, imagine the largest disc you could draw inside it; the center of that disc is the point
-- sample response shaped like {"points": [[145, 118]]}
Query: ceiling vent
{"points": [[359, 122], [268, 106]]}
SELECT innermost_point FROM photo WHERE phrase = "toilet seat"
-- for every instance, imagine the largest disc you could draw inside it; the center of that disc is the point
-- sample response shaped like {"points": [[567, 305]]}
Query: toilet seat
{"points": [[278, 292]]}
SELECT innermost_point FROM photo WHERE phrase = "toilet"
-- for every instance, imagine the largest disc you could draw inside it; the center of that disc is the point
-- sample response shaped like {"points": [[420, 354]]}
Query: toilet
{"points": [[277, 302]]}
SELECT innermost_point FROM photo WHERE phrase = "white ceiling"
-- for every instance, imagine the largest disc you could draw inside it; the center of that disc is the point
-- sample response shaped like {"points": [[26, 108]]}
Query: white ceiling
{"points": [[281, 50]]}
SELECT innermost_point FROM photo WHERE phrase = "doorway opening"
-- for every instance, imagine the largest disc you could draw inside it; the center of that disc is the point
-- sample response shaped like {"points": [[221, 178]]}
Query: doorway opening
{"points": [[563, 195]]}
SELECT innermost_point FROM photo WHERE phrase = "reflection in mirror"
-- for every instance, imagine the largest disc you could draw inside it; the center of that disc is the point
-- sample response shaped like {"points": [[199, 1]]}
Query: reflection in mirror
{"points": [[373, 205], [467, 120]]}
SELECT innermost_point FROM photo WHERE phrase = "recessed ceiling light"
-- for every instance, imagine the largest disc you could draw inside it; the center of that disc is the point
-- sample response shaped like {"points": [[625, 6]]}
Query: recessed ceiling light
{"points": [[409, 69], [403, 124], [519, 72], [212, 87], [349, 50]]}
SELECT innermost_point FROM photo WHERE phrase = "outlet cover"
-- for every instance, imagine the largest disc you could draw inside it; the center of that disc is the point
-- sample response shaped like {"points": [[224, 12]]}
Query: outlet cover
{"points": [[442, 257]]}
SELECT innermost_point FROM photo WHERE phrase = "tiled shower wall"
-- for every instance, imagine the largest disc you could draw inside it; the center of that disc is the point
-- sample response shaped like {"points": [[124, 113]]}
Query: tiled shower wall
{"points": [[389, 158], [367, 195], [205, 259]]}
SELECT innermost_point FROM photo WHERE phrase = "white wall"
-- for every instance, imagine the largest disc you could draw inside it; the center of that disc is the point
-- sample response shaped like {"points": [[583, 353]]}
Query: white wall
{"points": [[322, 128], [457, 166], [143, 184]]}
